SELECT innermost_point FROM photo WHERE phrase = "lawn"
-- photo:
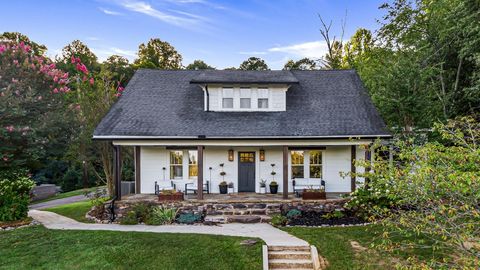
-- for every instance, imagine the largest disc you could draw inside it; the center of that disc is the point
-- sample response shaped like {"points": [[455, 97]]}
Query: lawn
{"points": [[39, 248], [67, 194], [75, 210], [334, 244]]}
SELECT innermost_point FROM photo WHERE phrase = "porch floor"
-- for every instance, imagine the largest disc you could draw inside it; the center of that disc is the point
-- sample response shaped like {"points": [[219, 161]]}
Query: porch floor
{"points": [[231, 198]]}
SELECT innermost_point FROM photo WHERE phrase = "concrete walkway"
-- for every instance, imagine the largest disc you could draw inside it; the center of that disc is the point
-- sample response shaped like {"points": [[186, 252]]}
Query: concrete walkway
{"points": [[52, 203], [271, 235]]}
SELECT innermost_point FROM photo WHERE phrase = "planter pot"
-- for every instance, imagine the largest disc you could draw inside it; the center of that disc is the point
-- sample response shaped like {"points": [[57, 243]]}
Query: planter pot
{"points": [[263, 190], [171, 197], [230, 190], [223, 189], [314, 195], [273, 189]]}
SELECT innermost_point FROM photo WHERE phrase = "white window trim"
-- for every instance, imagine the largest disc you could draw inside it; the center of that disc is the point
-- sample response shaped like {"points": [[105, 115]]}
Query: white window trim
{"points": [[306, 163]]}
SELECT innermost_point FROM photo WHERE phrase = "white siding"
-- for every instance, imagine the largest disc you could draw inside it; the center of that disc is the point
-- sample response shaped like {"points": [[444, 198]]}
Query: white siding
{"points": [[336, 159]]}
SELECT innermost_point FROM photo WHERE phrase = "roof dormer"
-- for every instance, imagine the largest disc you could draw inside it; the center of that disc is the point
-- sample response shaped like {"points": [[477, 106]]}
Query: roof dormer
{"points": [[245, 91]]}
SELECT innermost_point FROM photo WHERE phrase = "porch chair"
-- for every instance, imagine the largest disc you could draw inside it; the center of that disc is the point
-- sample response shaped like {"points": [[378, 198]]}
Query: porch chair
{"points": [[193, 186], [299, 184], [164, 185]]}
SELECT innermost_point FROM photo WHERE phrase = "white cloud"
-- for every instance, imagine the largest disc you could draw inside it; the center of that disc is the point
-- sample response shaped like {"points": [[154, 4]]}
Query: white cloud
{"points": [[104, 53], [144, 8], [110, 12], [253, 53], [92, 38], [312, 49]]}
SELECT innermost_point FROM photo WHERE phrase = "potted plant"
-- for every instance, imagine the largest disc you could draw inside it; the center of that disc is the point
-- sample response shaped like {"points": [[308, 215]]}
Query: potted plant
{"points": [[170, 195], [273, 187], [314, 194], [223, 186], [263, 185], [230, 187]]}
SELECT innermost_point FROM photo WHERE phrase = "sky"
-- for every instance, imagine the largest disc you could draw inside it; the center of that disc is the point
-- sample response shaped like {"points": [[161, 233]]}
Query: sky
{"points": [[222, 33]]}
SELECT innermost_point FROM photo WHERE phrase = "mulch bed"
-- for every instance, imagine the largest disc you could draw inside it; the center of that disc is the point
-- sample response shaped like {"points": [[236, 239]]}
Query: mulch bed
{"points": [[319, 219], [8, 225]]}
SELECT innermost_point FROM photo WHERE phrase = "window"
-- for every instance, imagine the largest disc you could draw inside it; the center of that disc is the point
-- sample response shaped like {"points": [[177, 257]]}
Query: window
{"points": [[192, 164], [227, 103], [176, 164], [316, 164], [245, 103], [263, 103], [297, 164]]}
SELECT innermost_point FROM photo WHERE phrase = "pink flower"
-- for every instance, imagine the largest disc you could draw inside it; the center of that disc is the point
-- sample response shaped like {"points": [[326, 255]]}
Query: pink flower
{"points": [[52, 65], [5, 159], [39, 97], [10, 128], [73, 60], [2, 48], [14, 80], [65, 75], [55, 90], [91, 81], [15, 62], [81, 67], [118, 94], [120, 89], [55, 79], [77, 107]]}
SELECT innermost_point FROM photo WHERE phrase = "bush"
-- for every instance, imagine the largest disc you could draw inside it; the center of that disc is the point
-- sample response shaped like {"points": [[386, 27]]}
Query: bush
{"points": [[278, 220], [294, 213], [71, 180], [189, 218], [129, 219], [142, 211], [15, 189], [160, 215]]}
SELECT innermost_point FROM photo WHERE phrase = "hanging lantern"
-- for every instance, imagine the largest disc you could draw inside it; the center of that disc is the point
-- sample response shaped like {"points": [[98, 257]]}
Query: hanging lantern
{"points": [[262, 155], [230, 155]]}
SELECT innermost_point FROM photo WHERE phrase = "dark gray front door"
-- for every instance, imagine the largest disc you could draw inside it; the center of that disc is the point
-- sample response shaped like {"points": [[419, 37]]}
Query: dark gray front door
{"points": [[246, 171]]}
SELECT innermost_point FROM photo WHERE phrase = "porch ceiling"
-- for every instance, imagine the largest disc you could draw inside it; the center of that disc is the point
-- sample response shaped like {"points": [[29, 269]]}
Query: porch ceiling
{"points": [[228, 143]]}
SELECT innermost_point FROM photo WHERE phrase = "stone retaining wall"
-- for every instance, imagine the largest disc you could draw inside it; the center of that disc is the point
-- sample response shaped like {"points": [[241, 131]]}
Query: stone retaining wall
{"points": [[232, 208]]}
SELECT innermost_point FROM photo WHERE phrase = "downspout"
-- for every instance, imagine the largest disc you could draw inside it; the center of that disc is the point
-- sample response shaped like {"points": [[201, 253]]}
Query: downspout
{"points": [[208, 98]]}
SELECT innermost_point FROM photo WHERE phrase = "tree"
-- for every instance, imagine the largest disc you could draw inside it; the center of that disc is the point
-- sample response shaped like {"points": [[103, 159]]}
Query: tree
{"points": [[254, 63], [333, 58], [78, 50], [302, 64], [118, 69], [198, 65], [15, 37], [158, 54], [358, 45]]}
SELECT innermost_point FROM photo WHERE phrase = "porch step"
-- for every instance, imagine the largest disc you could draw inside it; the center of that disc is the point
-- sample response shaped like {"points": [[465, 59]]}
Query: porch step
{"points": [[290, 263], [237, 218], [289, 255]]}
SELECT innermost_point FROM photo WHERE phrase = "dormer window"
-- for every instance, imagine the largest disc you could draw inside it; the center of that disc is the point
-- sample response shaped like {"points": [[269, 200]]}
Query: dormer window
{"points": [[245, 98], [227, 98], [262, 98]]}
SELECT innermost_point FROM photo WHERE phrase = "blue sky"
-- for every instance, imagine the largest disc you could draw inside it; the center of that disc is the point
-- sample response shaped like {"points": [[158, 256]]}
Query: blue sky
{"points": [[222, 33]]}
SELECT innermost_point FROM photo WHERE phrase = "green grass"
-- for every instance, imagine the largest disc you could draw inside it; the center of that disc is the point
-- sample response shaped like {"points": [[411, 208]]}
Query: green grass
{"points": [[334, 245], [38, 248], [67, 194], [75, 210]]}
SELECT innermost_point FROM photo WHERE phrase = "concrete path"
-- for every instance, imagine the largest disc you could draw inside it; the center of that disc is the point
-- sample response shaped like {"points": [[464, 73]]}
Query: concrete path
{"points": [[271, 235], [52, 203]]}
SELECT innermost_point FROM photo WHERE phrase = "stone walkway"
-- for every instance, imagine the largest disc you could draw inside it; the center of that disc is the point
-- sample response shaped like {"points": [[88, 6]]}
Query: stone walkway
{"points": [[52, 203], [271, 235]]}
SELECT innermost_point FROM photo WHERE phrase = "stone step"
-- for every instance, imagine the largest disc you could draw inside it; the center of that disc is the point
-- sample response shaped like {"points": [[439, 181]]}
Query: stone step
{"points": [[289, 248], [290, 264], [237, 218], [290, 255]]}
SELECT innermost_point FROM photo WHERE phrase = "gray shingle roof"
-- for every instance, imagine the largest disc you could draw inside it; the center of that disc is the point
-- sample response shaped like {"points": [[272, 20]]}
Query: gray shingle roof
{"points": [[164, 103], [246, 76]]}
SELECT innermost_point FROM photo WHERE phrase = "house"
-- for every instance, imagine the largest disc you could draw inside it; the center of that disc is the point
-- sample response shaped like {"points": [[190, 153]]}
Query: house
{"points": [[189, 126]]}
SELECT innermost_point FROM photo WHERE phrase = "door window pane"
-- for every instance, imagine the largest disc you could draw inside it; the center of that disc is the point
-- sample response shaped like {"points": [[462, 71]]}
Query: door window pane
{"points": [[297, 158], [192, 164], [263, 103], [316, 164], [176, 164], [245, 103], [227, 103]]}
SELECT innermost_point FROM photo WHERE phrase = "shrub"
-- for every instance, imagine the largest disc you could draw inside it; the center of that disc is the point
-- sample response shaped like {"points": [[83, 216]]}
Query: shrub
{"points": [[294, 213], [15, 189], [160, 215], [129, 219], [97, 201], [278, 220], [189, 218], [334, 214], [142, 211]]}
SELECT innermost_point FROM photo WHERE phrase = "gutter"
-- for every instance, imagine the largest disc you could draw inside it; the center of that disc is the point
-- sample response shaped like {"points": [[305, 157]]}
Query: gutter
{"points": [[208, 98], [203, 137]]}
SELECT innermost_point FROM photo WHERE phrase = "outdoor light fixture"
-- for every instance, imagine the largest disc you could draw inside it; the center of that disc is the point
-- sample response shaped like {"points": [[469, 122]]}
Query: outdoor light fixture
{"points": [[230, 155], [262, 155]]}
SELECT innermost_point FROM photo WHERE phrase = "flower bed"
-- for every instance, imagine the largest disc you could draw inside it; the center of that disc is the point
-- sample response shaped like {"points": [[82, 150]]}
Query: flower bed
{"points": [[325, 218]]}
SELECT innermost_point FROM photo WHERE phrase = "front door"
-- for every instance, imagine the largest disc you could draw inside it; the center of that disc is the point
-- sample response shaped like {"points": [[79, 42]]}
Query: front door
{"points": [[246, 171]]}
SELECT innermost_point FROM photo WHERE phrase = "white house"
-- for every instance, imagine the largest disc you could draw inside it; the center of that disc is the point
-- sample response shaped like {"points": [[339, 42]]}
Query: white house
{"points": [[189, 126]]}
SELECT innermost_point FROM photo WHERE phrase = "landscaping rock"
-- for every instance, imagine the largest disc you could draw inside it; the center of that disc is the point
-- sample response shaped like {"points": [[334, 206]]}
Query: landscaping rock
{"points": [[248, 242], [244, 219]]}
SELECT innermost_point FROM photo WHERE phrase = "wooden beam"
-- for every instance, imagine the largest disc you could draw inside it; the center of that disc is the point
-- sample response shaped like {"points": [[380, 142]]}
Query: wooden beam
{"points": [[117, 171], [368, 159], [137, 170], [293, 148], [353, 168], [200, 172], [285, 172]]}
